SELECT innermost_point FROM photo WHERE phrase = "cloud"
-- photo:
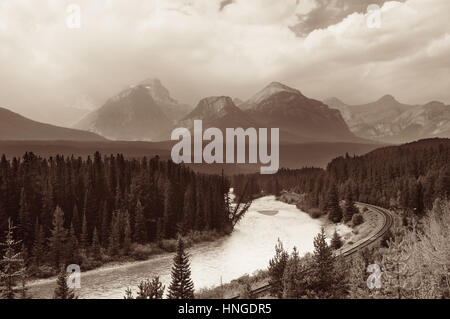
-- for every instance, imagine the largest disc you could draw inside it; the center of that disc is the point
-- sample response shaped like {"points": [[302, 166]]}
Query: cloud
{"points": [[203, 47], [323, 13]]}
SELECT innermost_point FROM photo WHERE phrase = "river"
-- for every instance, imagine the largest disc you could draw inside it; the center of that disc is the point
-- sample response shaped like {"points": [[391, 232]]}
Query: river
{"points": [[246, 250]]}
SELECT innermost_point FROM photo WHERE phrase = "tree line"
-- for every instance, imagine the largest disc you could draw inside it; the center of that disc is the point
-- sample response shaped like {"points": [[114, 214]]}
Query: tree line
{"points": [[68, 209], [407, 177]]}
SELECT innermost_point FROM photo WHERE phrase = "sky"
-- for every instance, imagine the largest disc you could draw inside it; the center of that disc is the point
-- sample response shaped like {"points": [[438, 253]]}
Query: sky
{"points": [[201, 48]]}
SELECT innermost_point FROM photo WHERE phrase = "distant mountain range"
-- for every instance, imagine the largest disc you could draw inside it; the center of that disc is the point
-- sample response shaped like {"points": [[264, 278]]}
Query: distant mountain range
{"points": [[145, 111], [387, 120], [299, 118], [14, 126]]}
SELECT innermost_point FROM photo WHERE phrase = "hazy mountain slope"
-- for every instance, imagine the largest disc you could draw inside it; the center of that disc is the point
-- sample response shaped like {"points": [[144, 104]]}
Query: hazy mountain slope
{"points": [[168, 105], [59, 116], [388, 120], [299, 118], [16, 127], [143, 112]]}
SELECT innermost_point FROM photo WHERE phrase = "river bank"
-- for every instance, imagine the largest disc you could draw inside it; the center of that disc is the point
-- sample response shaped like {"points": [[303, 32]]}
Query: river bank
{"points": [[246, 250], [351, 237], [138, 253]]}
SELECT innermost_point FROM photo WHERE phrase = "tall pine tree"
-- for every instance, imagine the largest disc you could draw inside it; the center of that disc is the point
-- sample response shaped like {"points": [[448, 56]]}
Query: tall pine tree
{"points": [[277, 266], [332, 205], [182, 286], [62, 290], [58, 238], [12, 267]]}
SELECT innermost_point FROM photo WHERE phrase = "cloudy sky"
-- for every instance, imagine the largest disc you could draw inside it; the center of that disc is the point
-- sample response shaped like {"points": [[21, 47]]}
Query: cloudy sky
{"points": [[201, 48]]}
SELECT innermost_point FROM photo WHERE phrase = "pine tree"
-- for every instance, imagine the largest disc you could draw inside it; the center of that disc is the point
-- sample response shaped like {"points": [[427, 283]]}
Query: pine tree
{"points": [[126, 234], [26, 226], [169, 211], [322, 282], [153, 289], [277, 266], [350, 208], [156, 288], [72, 248], [182, 286], [332, 205], [396, 270], [189, 208], [159, 231], [38, 250], [58, 238], [84, 238], [105, 228], [12, 267], [291, 276], [76, 220], [62, 290], [444, 183], [358, 288], [114, 238], [95, 247], [277, 188], [336, 241], [140, 229], [128, 294]]}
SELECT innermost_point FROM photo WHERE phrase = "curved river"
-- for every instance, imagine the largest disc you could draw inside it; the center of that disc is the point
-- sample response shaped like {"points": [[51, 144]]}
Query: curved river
{"points": [[247, 249]]}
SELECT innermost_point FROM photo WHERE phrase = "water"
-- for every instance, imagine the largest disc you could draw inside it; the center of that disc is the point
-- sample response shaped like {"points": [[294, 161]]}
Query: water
{"points": [[248, 249]]}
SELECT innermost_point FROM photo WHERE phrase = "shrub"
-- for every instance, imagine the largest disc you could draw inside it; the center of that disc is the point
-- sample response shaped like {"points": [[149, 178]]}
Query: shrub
{"points": [[45, 271], [386, 237], [89, 263], [357, 219], [141, 252], [314, 213], [169, 245]]}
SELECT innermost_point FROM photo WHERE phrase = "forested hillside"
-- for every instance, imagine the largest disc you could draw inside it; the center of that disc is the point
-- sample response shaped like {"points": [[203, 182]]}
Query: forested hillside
{"points": [[409, 176], [67, 209]]}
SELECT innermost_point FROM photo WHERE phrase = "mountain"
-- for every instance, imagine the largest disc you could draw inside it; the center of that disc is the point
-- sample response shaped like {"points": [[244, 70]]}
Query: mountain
{"points": [[388, 120], [142, 112], [64, 116], [168, 105], [299, 118], [218, 111], [16, 127], [237, 101]]}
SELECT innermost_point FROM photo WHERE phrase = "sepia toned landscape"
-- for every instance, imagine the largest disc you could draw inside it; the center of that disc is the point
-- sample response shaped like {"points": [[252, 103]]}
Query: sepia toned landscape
{"points": [[225, 149]]}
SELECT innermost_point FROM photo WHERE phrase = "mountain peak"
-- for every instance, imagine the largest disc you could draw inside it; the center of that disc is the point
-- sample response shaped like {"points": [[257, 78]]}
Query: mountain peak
{"points": [[334, 102], [217, 111], [152, 81], [215, 105], [268, 91], [275, 87], [387, 99], [157, 90], [434, 104]]}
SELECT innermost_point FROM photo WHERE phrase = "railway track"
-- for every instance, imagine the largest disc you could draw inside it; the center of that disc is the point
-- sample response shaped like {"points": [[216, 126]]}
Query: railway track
{"points": [[388, 220]]}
